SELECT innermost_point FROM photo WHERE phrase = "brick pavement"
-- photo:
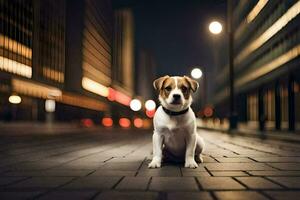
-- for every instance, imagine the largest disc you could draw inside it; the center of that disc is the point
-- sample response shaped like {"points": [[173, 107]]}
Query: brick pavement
{"points": [[113, 165]]}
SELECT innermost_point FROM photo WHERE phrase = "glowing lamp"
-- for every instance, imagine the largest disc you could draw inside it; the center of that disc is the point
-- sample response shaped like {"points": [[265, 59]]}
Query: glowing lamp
{"points": [[111, 94], [50, 105], [196, 73], [138, 122], [215, 27], [150, 105], [124, 122], [122, 98], [150, 113], [147, 123], [107, 122], [208, 111], [135, 105], [15, 99], [87, 122], [94, 87]]}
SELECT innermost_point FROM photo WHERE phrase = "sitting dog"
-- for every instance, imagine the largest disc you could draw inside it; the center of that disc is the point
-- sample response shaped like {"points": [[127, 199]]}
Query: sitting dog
{"points": [[175, 133]]}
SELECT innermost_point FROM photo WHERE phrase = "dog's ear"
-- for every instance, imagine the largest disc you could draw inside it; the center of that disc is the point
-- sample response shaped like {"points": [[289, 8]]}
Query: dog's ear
{"points": [[193, 84], [158, 83]]}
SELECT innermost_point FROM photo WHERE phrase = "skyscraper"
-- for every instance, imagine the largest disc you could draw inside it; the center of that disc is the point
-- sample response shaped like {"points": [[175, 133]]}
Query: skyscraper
{"points": [[266, 59]]}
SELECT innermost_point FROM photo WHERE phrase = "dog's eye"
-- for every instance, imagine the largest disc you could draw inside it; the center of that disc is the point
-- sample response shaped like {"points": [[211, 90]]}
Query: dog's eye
{"points": [[184, 89], [168, 88]]}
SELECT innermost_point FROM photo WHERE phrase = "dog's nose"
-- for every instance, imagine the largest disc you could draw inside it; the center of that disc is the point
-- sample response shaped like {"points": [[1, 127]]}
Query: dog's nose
{"points": [[176, 96]]}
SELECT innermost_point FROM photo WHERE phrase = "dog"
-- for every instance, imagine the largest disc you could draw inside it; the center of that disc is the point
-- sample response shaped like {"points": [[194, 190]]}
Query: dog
{"points": [[175, 135]]}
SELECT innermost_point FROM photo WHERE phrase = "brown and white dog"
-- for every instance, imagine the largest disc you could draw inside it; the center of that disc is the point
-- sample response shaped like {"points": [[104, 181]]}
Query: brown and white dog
{"points": [[175, 132]]}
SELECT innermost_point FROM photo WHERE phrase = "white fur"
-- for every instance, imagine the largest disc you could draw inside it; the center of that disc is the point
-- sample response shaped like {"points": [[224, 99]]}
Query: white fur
{"points": [[176, 134]]}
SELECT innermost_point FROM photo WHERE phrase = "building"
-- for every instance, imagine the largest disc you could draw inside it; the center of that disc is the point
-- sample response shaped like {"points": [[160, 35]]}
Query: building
{"points": [[71, 59], [266, 66], [145, 74]]}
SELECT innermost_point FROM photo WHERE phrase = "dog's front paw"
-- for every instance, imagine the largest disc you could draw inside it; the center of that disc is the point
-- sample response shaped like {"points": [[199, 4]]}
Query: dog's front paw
{"points": [[154, 164], [190, 163]]}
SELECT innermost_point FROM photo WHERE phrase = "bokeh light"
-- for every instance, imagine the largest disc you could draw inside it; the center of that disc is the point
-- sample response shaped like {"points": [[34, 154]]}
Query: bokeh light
{"points": [[15, 99], [196, 73], [150, 105], [215, 27], [135, 105]]}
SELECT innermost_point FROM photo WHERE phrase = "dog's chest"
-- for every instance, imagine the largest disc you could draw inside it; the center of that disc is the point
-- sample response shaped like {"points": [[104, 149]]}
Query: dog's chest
{"points": [[174, 128]]}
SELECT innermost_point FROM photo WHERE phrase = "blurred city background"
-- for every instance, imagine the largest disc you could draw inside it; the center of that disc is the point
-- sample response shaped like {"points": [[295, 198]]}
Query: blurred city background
{"points": [[77, 100], [92, 62]]}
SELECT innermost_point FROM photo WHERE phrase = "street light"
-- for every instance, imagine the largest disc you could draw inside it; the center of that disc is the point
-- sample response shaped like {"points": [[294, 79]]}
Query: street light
{"points": [[135, 105], [150, 105], [15, 99], [196, 73], [215, 27], [50, 105]]}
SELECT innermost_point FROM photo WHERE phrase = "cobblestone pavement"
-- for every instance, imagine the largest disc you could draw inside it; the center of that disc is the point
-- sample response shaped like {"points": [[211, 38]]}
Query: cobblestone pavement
{"points": [[113, 165]]}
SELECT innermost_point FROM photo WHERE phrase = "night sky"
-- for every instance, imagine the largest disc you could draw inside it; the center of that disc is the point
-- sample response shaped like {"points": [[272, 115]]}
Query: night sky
{"points": [[176, 34]]}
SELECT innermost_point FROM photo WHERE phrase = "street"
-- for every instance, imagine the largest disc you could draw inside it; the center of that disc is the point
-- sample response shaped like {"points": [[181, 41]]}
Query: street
{"points": [[112, 164]]}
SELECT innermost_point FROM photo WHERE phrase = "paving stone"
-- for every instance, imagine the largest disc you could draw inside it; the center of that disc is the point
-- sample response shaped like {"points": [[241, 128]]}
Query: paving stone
{"points": [[286, 166], [9, 180], [38, 165], [239, 195], [283, 195], [127, 159], [41, 182], [290, 182], [277, 159], [19, 195], [29, 171], [195, 173], [133, 183], [234, 160], [80, 166], [69, 194], [93, 183], [189, 196], [55, 172], [237, 166], [173, 184], [207, 159], [274, 173], [159, 172], [102, 172], [121, 166], [258, 183], [122, 195], [219, 183], [229, 173], [200, 168]]}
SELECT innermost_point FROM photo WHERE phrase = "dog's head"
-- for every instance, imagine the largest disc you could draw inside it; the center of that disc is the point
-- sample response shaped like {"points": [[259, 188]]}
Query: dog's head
{"points": [[175, 92]]}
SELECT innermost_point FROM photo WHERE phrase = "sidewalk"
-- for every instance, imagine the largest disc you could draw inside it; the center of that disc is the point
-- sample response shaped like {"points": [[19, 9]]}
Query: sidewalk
{"points": [[38, 128], [113, 165], [271, 135]]}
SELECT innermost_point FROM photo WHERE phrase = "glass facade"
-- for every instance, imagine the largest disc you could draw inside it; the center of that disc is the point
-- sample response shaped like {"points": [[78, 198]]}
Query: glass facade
{"points": [[252, 107], [62, 51], [16, 35], [267, 50], [52, 40], [97, 41], [297, 104]]}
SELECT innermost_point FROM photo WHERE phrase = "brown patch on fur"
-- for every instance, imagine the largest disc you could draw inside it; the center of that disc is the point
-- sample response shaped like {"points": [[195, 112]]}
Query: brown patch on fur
{"points": [[158, 83], [185, 87], [193, 84], [167, 87]]}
